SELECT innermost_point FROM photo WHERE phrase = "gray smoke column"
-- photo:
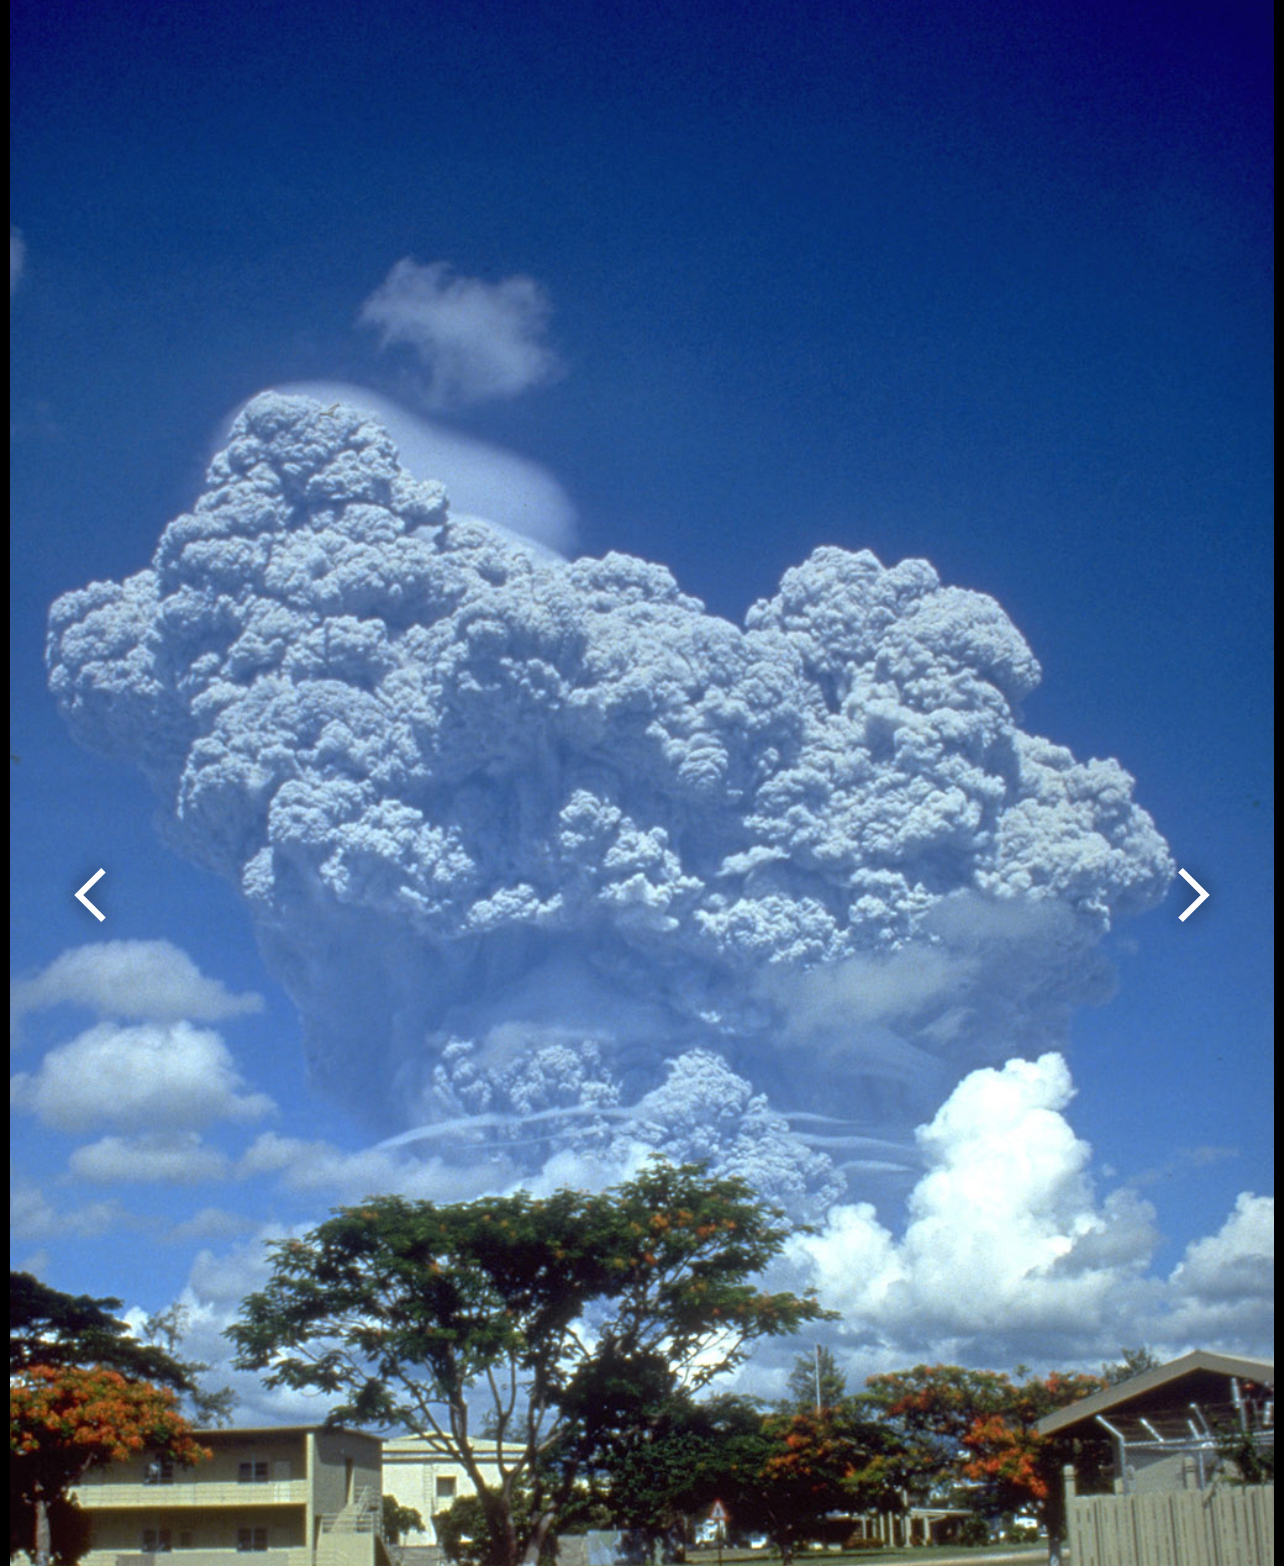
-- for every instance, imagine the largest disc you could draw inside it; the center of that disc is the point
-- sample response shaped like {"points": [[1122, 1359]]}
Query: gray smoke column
{"points": [[543, 841]]}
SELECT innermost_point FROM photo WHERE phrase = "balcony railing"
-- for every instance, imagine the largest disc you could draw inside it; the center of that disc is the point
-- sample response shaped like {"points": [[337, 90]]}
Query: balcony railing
{"points": [[160, 1497], [206, 1557]]}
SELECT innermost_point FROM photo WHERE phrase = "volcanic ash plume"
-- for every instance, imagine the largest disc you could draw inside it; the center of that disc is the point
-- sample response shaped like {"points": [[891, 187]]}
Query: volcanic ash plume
{"points": [[521, 836]]}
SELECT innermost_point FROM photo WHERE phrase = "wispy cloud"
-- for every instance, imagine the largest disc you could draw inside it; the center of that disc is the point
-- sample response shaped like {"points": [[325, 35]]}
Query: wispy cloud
{"points": [[211, 1223], [477, 341], [170, 1158], [32, 1216], [304, 1165], [17, 257]]}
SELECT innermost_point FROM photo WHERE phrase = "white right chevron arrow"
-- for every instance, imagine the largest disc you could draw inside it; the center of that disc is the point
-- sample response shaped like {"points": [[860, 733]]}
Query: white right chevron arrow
{"points": [[1186, 876]]}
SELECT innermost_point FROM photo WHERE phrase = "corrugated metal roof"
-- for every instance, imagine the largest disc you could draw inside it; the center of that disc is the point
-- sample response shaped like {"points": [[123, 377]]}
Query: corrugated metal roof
{"points": [[1154, 1391]]}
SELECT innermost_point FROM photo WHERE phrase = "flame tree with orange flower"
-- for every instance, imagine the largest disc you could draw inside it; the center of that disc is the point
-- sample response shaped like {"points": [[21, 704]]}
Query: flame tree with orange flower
{"points": [[65, 1420], [83, 1391], [979, 1426], [1021, 1469]]}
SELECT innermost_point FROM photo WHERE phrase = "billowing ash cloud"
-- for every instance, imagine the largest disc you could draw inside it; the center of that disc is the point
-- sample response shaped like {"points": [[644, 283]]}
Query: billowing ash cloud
{"points": [[519, 834], [512, 493]]}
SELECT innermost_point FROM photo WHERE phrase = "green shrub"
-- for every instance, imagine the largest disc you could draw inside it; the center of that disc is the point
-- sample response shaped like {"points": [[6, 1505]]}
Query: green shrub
{"points": [[974, 1530]]}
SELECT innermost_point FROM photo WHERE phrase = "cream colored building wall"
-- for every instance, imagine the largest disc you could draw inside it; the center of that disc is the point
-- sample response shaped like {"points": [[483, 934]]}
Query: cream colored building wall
{"points": [[284, 1454], [415, 1475], [122, 1533], [344, 1462], [311, 1475]]}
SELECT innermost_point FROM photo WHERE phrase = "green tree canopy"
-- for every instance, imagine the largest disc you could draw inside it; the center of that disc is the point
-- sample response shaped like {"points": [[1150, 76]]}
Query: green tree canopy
{"points": [[571, 1318], [1018, 1467], [170, 1326], [813, 1373], [930, 1409], [1131, 1362], [399, 1520], [690, 1453], [790, 1472], [47, 1327]]}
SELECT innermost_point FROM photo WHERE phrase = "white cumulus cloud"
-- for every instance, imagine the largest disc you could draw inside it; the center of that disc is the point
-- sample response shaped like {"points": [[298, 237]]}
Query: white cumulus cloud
{"points": [[130, 981], [32, 1216], [144, 1077], [1223, 1289], [1007, 1247], [1004, 1234], [1232, 1263], [476, 341], [211, 1223]]}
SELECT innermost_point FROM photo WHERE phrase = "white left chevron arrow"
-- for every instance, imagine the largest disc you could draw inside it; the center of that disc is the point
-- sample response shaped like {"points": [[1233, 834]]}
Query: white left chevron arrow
{"points": [[81, 898]]}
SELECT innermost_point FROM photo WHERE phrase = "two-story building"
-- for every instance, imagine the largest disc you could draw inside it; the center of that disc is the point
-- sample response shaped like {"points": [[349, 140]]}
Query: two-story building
{"points": [[303, 1495]]}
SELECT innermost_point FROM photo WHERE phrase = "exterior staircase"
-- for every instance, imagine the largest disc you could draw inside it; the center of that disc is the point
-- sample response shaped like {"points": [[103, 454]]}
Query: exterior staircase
{"points": [[352, 1537]]}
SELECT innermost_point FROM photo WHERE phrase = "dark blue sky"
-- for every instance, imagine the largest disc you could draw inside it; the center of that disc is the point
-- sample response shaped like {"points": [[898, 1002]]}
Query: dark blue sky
{"points": [[988, 284]]}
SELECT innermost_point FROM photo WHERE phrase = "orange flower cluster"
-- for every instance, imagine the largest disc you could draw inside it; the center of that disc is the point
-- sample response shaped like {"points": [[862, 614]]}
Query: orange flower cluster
{"points": [[96, 1414], [1007, 1453]]}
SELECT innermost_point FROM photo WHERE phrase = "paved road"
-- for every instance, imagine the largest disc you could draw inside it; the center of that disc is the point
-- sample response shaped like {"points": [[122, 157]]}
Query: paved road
{"points": [[1030, 1555], [1035, 1555], [1027, 1555]]}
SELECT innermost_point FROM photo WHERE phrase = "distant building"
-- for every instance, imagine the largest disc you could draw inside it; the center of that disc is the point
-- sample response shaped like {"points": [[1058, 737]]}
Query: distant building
{"points": [[302, 1495], [418, 1474]]}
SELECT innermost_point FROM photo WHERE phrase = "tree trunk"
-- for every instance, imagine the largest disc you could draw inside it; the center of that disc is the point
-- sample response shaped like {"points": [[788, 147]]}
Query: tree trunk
{"points": [[538, 1536], [42, 1530], [502, 1535]]}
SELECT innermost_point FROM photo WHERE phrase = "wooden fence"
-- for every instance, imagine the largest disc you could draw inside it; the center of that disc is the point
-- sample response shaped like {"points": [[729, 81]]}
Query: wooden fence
{"points": [[1225, 1526]]}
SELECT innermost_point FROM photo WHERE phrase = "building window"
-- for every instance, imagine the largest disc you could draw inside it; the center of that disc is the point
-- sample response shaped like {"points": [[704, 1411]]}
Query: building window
{"points": [[445, 1487], [253, 1472], [248, 1539], [184, 1541], [156, 1541], [159, 1470]]}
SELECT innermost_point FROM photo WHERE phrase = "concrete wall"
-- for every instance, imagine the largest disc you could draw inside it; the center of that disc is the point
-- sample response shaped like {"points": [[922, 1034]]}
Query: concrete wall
{"points": [[1154, 1471], [344, 1464]]}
